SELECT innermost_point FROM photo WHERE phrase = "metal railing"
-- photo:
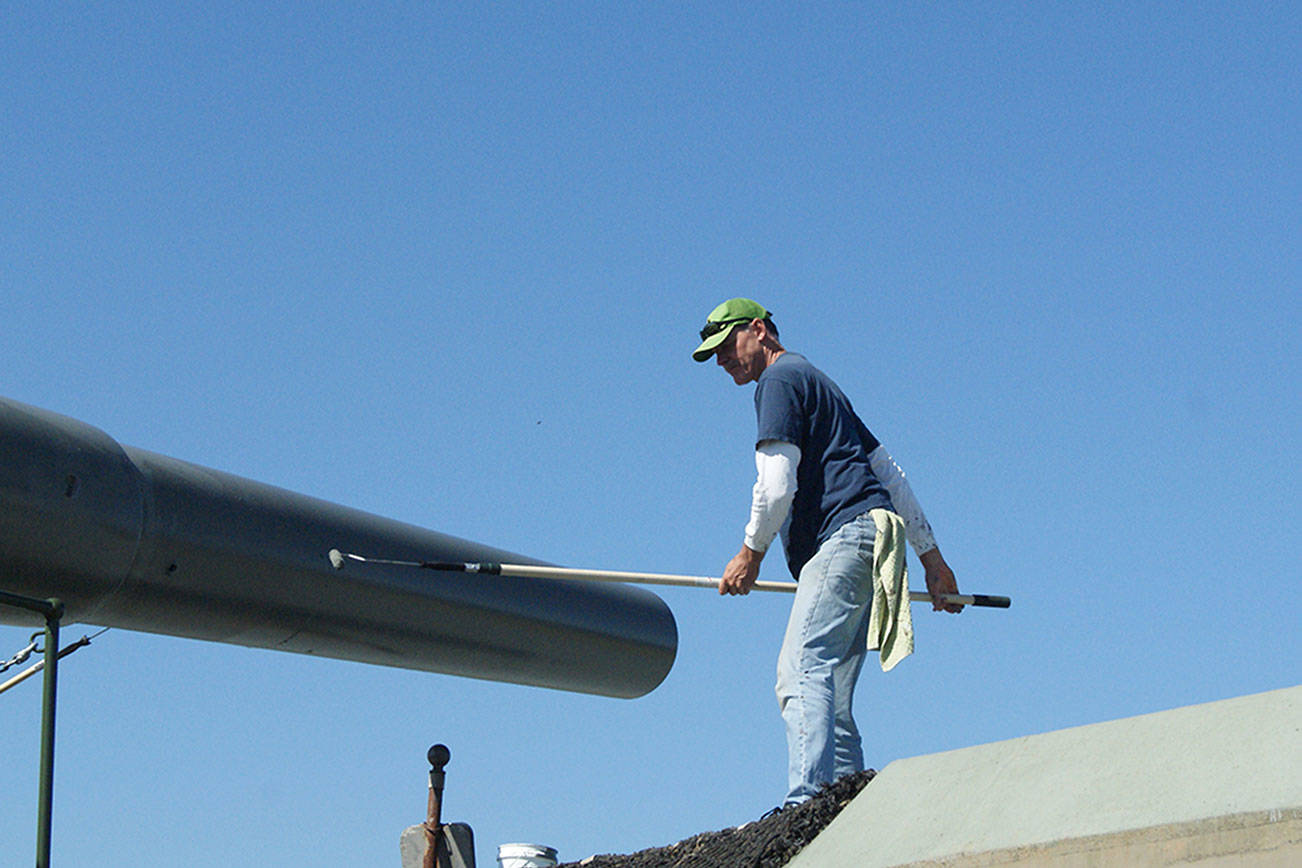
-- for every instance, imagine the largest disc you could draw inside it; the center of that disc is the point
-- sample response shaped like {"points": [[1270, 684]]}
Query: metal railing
{"points": [[52, 611]]}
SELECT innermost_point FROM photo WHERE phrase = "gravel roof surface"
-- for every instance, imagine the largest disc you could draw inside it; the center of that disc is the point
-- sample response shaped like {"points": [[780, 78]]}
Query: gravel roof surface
{"points": [[768, 842]]}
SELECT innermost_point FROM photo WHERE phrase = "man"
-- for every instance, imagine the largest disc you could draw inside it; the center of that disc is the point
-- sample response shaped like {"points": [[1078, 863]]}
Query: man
{"points": [[836, 495]]}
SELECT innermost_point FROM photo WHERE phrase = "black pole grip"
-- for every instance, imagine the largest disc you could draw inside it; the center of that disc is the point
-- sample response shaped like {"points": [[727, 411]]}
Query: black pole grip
{"points": [[990, 601]]}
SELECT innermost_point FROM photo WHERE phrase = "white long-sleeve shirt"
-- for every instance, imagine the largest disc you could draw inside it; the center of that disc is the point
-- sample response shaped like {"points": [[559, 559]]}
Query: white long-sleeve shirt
{"points": [[775, 487]]}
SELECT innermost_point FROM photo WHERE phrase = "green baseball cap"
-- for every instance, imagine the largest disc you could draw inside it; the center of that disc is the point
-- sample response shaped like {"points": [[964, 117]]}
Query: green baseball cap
{"points": [[722, 320]]}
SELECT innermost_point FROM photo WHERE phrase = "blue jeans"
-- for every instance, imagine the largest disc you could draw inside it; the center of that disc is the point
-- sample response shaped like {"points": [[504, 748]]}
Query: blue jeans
{"points": [[822, 654]]}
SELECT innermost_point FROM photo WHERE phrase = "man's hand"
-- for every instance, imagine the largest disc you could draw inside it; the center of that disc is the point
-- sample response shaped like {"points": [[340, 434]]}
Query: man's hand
{"points": [[742, 571], [940, 580]]}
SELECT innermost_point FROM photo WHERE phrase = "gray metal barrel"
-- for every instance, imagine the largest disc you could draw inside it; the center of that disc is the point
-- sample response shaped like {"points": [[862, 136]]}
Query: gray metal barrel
{"points": [[129, 538]]}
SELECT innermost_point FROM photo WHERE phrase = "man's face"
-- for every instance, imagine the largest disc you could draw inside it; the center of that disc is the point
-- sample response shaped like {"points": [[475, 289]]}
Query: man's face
{"points": [[741, 355]]}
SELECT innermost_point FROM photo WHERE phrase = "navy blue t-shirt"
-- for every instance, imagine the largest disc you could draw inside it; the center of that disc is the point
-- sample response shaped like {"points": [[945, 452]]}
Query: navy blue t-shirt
{"points": [[797, 403]]}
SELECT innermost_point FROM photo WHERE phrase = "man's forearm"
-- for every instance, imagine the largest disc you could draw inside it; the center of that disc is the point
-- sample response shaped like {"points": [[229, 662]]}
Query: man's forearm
{"points": [[932, 559]]}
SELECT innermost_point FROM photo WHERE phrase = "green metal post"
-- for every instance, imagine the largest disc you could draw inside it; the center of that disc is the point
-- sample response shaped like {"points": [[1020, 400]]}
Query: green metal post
{"points": [[49, 693], [52, 609]]}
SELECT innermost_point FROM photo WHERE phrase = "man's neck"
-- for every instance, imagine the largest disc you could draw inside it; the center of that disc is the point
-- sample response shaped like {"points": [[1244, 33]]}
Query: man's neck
{"points": [[771, 354]]}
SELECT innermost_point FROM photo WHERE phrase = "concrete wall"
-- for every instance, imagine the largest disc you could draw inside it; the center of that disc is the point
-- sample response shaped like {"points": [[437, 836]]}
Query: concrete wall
{"points": [[1216, 784]]}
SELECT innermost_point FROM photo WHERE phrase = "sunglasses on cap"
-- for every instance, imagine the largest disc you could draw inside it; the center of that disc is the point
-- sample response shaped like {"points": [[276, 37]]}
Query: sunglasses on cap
{"points": [[713, 328]]}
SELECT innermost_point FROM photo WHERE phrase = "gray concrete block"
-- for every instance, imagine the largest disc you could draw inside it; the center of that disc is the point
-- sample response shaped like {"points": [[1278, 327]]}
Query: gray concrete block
{"points": [[1227, 771]]}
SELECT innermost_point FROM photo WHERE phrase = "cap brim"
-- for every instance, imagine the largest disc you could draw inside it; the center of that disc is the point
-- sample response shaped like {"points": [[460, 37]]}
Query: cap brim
{"points": [[710, 344]]}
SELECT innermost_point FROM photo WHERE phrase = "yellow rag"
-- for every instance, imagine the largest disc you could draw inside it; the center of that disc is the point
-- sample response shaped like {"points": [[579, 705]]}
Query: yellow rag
{"points": [[890, 625]]}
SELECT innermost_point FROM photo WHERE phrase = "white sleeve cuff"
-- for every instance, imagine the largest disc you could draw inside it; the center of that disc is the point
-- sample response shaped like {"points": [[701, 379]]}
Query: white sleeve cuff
{"points": [[775, 486]]}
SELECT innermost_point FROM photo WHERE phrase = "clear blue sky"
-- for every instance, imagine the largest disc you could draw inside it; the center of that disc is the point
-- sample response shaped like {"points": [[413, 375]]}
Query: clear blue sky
{"points": [[446, 263]]}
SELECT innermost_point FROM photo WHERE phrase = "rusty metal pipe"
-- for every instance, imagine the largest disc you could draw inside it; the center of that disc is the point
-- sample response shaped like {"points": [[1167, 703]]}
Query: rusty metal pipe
{"points": [[435, 848]]}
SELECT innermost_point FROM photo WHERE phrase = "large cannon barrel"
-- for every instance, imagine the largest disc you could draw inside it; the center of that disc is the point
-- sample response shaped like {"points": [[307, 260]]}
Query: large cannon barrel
{"points": [[132, 539]]}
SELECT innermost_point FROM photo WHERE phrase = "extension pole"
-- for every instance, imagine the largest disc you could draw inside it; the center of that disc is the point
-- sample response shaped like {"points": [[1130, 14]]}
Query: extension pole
{"points": [[530, 571]]}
